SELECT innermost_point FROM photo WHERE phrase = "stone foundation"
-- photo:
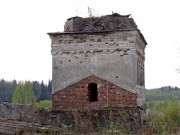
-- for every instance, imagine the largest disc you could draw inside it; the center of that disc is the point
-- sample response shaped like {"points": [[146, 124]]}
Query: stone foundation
{"points": [[88, 120]]}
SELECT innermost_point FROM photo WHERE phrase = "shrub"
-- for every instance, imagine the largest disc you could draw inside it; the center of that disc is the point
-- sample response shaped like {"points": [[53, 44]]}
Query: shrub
{"points": [[44, 104]]}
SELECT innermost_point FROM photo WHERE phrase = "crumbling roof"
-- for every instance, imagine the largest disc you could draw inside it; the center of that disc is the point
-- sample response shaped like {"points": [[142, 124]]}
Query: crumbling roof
{"points": [[108, 22]]}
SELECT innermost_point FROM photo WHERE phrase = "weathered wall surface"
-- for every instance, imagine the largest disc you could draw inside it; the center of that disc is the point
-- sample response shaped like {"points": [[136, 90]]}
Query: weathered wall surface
{"points": [[116, 56], [77, 95]]}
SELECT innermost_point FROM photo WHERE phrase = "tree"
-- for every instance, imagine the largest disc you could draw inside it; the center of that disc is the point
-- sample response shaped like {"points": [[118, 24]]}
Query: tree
{"points": [[49, 89], [44, 92], [24, 94], [2, 90], [37, 90], [6, 90]]}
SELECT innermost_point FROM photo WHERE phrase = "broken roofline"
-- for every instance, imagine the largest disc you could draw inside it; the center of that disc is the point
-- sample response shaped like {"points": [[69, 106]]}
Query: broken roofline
{"points": [[113, 15]]}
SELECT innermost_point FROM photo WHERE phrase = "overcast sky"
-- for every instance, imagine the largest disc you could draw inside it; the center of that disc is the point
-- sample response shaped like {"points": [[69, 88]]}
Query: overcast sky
{"points": [[25, 46]]}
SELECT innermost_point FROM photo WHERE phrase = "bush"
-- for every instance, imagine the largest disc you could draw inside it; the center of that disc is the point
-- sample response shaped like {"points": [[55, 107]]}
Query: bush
{"points": [[44, 104]]}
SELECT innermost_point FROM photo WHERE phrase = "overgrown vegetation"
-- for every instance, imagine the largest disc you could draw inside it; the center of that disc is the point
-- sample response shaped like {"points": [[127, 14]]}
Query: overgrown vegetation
{"points": [[164, 116], [164, 106], [101, 122]]}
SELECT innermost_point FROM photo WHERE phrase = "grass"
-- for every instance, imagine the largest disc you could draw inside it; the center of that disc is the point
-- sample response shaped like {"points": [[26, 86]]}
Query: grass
{"points": [[165, 116]]}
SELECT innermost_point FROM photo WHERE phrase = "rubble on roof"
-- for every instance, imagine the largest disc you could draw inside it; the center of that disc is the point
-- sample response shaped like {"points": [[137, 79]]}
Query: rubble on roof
{"points": [[108, 22]]}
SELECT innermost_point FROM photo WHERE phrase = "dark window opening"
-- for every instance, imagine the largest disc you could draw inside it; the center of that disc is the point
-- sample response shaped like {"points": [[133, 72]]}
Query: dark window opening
{"points": [[93, 94]]}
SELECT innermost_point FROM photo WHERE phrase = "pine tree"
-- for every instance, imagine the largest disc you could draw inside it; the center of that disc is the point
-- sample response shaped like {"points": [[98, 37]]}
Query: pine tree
{"points": [[49, 89], [37, 90]]}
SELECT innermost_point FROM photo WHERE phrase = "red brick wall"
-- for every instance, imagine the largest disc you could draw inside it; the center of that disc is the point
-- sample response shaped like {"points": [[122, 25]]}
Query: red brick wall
{"points": [[109, 95]]}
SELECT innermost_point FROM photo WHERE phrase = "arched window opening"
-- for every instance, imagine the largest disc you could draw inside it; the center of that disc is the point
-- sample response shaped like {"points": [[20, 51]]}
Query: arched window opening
{"points": [[93, 94]]}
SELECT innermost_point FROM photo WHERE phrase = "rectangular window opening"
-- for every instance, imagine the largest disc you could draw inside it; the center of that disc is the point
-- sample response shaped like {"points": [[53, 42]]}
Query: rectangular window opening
{"points": [[93, 93]]}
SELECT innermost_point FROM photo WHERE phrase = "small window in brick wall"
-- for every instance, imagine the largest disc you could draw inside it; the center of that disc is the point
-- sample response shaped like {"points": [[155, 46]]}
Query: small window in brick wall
{"points": [[92, 92]]}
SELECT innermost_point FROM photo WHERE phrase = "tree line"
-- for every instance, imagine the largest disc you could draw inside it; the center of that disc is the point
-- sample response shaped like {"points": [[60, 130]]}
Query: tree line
{"points": [[163, 93], [41, 90]]}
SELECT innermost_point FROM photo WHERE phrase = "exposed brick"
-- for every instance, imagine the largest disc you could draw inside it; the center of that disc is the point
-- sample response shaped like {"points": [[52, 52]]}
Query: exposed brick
{"points": [[109, 95]]}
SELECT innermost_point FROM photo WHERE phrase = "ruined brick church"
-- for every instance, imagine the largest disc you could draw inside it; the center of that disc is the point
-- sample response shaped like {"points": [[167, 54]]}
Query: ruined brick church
{"points": [[98, 62]]}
